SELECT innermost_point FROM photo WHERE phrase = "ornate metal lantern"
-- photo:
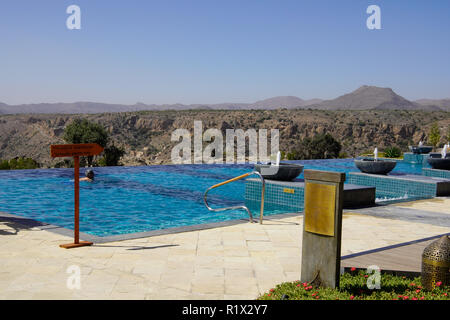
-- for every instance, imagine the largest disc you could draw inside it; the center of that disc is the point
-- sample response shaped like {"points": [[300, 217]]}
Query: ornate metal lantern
{"points": [[436, 263]]}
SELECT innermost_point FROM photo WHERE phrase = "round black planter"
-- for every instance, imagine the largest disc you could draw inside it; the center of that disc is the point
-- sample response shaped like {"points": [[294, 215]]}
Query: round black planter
{"points": [[420, 149], [286, 171], [440, 163], [375, 167]]}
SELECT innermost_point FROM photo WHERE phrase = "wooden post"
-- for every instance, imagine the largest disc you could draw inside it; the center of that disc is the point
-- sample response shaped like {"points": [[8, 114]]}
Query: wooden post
{"points": [[76, 227], [75, 151], [322, 226]]}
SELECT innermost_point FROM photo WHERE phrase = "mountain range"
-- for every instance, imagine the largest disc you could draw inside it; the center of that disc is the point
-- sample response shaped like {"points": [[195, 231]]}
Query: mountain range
{"points": [[364, 98]]}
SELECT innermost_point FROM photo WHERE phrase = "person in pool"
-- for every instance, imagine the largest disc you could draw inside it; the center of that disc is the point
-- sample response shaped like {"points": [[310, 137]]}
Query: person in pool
{"points": [[89, 176]]}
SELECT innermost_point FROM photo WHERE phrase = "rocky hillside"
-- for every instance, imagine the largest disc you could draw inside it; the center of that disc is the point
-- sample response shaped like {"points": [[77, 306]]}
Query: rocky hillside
{"points": [[146, 135]]}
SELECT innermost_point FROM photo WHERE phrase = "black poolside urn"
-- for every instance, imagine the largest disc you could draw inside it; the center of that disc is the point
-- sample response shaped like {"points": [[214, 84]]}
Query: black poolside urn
{"points": [[420, 149], [439, 163], [375, 166], [283, 172], [436, 264]]}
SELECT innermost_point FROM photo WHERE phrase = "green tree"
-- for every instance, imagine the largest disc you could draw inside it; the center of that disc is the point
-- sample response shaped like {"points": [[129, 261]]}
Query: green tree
{"points": [[112, 156], [435, 135], [13, 164], [4, 165], [85, 131], [321, 146]]}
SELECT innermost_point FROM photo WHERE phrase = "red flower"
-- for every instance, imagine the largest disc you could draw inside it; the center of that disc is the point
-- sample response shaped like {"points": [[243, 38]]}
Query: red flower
{"points": [[366, 276], [422, 298], [405, 297], [353, 269], [298, 285], [445, 294], [417, 291], [414, 298], [438, 284], [352, 297]]}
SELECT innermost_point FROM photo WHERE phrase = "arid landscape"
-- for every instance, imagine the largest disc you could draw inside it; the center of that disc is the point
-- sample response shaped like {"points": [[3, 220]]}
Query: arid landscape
{"points": [[366, 118], [146, 135]]}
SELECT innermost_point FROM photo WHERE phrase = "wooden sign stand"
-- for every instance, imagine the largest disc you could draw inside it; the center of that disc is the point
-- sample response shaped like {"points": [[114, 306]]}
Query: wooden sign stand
{"points": [[75, 151]]}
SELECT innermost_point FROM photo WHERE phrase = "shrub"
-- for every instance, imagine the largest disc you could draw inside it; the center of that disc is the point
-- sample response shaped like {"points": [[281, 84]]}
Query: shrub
{"points": [[321, 146], [434, 136], [343, 155], [18, 164], [4, 165], [353, 286], [112, 156], [392, 152]]}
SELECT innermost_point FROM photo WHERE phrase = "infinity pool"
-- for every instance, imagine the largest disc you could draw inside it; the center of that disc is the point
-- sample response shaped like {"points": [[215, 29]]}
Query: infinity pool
{"points": [[134, 199]]}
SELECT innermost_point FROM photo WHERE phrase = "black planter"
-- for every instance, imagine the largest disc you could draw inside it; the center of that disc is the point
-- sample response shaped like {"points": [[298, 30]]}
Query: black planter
{"points": [[440, 163], [420, 149], [375, 167], [286, 171]]}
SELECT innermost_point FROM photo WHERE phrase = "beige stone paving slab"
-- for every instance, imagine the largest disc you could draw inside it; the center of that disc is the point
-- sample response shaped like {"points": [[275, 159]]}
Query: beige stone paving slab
{"points": [[209, 285], [239, 273], [440, 204], [234, 262]]}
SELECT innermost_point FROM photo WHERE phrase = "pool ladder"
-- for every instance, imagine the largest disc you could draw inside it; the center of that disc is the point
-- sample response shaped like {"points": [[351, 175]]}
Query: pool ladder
{"points": [[238, 207]]}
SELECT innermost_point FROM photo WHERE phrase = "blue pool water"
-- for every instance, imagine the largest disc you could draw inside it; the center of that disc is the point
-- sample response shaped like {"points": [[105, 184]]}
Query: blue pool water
{"points": [[135, 199]]}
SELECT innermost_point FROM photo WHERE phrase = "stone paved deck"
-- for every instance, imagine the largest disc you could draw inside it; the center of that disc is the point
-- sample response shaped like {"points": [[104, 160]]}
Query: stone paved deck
{"points": [[234, 262]]}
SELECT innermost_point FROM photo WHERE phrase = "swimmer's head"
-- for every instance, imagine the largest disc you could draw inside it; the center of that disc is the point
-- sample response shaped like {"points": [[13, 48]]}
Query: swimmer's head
{"points": [[90, 174]]}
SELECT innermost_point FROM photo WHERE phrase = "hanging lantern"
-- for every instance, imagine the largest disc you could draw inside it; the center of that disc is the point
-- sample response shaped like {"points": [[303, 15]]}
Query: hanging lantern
{"points": [[436, 263]]}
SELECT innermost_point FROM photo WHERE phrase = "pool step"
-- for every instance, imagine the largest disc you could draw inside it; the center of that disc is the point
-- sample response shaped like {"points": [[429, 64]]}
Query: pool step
{"points": [[290, 194], [411, 185]]}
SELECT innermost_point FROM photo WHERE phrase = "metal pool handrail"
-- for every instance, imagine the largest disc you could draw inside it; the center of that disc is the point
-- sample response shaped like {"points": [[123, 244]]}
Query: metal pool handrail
{"points": [[238, 207]]}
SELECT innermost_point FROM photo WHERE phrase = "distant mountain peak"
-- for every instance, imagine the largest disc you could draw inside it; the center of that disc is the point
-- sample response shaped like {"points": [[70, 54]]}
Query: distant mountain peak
{"points": [[363, 98], [370, 97]]}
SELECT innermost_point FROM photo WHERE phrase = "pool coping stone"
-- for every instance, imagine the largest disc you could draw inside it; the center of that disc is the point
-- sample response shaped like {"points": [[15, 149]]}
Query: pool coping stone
{"points": [[31, 223]]}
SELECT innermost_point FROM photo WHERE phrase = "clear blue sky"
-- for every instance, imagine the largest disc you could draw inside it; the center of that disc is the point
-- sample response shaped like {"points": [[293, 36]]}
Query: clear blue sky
{"points": [[220, 50]]}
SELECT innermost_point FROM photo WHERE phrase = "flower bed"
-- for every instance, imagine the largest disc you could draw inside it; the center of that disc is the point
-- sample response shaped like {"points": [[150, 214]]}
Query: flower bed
{"points": [[353, 286]]}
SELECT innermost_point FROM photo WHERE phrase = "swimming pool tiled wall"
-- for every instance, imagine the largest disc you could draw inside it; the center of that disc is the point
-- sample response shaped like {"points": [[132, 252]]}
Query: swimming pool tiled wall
{"points": [[287, 195], [415, 158], [393, 186], [436, 173]]}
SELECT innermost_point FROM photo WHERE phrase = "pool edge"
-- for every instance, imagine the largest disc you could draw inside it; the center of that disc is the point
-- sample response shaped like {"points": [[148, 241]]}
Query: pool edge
{"points": [[31, 223]]}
